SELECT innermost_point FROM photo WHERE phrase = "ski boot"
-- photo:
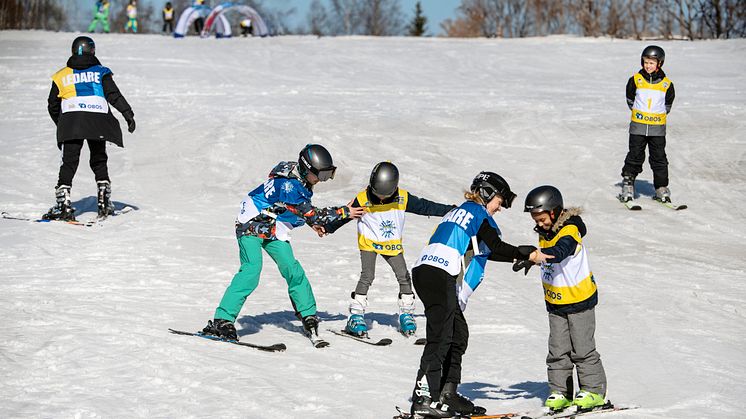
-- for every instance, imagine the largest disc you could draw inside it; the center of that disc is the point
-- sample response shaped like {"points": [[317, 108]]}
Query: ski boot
{"points": [[628, 189], [105, 207], [662, 194], [356, 322], [221, 328], [458, 403], [557, 401], [356, 326], [587, 400], [311, 325], [423, 406], [407, 324], [63, 209]]}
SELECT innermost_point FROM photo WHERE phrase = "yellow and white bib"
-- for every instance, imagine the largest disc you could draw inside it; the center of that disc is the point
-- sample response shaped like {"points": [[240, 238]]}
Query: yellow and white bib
{"points": [[380, 229], [570, 281], [650, 101]]}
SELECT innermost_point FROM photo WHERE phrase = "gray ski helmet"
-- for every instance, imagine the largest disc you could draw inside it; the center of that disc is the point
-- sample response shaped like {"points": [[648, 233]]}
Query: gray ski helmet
{"points": [[655, 52], [544, 198], [83, 45], [384, 179], [489, 184], [316, 159]]}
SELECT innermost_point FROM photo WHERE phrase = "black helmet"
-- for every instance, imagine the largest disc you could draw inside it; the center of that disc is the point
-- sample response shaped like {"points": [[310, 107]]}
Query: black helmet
{"points": [[84, 45], [655, 52], [316, 159], [384, 179], [489, 184], [544, 198]]}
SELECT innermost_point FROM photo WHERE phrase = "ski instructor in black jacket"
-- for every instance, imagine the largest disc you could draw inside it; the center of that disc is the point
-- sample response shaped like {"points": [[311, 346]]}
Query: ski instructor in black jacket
{"points": [[79, 105]]}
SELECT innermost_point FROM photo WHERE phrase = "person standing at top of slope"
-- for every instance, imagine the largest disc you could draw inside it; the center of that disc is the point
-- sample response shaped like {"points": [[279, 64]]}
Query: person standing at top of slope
{"points": [[379, 232], [79, 105], [267, 215], [468, 227], [100, 15], [650, 95], [131, 17], [570, 294], [168, 18]]}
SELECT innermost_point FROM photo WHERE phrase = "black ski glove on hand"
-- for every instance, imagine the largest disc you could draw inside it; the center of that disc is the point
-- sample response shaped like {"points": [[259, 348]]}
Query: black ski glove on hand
{"points": [[129, 116], [523, 264]]}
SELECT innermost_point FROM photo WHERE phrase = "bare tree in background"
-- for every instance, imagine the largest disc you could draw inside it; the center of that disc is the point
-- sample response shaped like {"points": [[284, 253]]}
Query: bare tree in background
{"points": [[344, 17], [472, 24], [317, 18], [721, 18], [381, 17], [32, 14]]}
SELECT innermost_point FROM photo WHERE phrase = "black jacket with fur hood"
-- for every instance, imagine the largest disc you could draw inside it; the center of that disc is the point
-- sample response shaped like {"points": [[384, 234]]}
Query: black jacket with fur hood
{"points": [[564, 248]]}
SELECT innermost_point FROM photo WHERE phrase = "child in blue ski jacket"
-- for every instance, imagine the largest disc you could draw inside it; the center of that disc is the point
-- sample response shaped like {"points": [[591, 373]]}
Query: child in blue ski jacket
{"points": [[468, 227], [267, 215]]}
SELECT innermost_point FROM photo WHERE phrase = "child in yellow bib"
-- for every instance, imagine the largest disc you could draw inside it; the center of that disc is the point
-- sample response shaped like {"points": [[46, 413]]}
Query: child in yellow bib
{"points": [[379, 232], [570, 296], [650, 95]]}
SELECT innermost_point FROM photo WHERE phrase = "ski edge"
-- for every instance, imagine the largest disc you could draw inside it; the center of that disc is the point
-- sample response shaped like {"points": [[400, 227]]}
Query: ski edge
{"points": [[381, 342], [277, 347], [631, 205], [403, 414]]}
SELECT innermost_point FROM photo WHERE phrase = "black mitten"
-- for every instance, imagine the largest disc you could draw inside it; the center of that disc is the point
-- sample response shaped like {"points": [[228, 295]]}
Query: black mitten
{"points": [[129, 116], [523, 264]]}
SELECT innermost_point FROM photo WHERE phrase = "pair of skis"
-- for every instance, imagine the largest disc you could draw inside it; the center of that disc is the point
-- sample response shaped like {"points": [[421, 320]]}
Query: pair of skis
{"points": [[88, 223], [633, 205], [569, 413]]}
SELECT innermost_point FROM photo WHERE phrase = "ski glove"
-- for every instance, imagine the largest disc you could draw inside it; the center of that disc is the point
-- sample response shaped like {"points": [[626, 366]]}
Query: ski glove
{"points": [[129, 116], [523, 264]]}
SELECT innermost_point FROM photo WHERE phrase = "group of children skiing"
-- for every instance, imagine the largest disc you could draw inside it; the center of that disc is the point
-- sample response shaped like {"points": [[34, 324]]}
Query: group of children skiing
{"points": [[101, 16], [448, 269]]}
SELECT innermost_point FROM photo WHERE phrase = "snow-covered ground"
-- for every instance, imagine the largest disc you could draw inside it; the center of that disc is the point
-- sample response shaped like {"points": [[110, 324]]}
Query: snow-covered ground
{"points": [[85, 311]]}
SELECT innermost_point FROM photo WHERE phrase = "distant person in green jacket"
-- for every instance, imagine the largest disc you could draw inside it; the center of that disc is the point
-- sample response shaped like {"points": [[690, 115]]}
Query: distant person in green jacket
{"points": [[100, 14]]}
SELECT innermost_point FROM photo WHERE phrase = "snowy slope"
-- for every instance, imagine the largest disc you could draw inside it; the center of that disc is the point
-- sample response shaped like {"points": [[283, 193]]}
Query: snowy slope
{"points": [[85, 310]]}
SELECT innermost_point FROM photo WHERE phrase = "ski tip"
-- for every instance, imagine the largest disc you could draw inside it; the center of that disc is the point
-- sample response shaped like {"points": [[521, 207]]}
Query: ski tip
{"points": [[384, 342], [420, 341]]}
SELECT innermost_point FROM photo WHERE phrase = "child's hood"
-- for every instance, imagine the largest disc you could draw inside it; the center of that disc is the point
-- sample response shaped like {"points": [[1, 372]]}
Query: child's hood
{"points": [[286, 169], [570, 216]]}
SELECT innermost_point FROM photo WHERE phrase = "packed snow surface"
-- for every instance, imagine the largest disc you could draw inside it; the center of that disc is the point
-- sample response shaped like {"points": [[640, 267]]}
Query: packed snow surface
{"points": [[85, 311]]}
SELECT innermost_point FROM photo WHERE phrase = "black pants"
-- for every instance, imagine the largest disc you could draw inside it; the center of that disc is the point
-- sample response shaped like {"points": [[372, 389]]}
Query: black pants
{"points": [[168, 24], [71, 157], [199, 24], [447, 332], [636, 157]]}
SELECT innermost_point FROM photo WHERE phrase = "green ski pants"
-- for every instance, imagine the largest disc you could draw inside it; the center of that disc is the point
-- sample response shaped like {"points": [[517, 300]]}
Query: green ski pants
{"points": [[247, 278], [99, 19]]}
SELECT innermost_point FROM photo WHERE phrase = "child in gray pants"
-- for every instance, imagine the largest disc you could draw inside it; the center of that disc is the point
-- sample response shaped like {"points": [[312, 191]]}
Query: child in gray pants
{"points": [[379, 232], [570, 295]]}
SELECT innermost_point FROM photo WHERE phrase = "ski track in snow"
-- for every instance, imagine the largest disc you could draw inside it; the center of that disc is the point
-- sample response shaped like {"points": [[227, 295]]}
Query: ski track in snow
{"points": [[86, 310]]}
